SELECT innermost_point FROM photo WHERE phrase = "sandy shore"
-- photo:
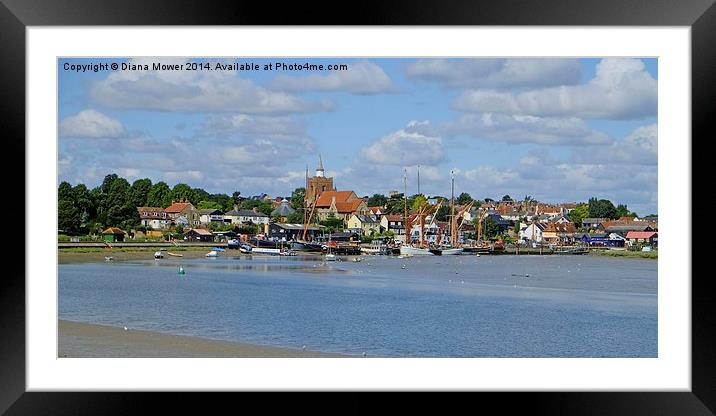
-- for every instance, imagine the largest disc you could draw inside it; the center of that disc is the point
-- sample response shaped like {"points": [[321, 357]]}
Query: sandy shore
{"points": [[80, 340]]}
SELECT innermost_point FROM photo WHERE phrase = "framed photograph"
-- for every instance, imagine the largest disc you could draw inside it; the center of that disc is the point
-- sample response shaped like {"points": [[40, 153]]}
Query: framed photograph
{"points": [[466, 202]]}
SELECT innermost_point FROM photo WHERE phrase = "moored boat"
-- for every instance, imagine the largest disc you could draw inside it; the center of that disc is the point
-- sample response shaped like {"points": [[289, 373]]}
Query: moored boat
{"points": [[406, 250]]}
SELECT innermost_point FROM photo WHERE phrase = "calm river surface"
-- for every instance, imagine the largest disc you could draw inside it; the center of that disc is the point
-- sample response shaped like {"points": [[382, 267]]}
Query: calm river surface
{"points": [[452, 306]]}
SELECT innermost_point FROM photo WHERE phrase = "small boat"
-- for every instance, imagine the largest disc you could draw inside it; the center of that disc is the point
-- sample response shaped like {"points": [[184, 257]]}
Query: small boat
{"points": [[233, 243], [175, 254], [288, 253], [264, 250], [330, 257], [158, 255], [406, 250], [245, 248], [181, 270], [212, 253], [218, 249], [108, 258]]}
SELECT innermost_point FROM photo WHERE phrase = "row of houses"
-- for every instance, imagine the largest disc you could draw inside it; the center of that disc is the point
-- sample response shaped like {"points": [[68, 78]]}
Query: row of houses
{"points": [[186, 215]]}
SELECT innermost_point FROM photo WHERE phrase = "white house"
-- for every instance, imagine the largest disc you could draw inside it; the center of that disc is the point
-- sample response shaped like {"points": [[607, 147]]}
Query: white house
{"points": [[153, 218], [207, 216], [533, 232], [243, 216]]}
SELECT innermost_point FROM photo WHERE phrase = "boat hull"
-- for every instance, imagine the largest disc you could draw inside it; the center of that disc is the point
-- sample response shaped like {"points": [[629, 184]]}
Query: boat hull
{"points": [[415, 251]]}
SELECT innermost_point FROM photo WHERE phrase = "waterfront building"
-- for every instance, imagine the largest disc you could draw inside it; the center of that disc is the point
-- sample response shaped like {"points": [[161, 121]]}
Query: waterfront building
{"points": [[186, 210], [394, 223], [644, 237], [113, 234], [339, 204], [533, 232], [289, 232], [154, 218], [283, 210], [199, 234], [237, 216], [364, 224], [207, 216]]}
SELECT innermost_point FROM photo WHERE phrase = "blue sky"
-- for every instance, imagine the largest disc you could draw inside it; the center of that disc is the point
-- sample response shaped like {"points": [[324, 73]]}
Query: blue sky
{"points": [[559, 130]]}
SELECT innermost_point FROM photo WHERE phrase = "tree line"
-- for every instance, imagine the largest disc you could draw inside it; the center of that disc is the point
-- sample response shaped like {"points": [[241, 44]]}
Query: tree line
{"points": [[114, 203]]}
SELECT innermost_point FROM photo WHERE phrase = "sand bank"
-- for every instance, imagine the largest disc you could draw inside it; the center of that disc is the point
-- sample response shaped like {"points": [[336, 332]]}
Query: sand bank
{"points": [[80, 340]]}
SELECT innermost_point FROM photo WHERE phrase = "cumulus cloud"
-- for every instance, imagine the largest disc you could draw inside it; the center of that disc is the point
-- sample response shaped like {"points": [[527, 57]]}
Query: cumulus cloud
{"points": [[91, 124], [640, 147], [253, 125], [527, 129], [496, 73], [621, 89], [408, 146], [362, 77], [195, 91]]}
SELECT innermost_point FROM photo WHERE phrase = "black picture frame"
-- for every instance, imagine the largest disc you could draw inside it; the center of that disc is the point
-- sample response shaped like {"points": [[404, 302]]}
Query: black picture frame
{"points": [[16, 15]]}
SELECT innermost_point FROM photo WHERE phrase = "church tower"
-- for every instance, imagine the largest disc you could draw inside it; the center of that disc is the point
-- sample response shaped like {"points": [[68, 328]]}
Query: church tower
{"points": [[318, 184]]}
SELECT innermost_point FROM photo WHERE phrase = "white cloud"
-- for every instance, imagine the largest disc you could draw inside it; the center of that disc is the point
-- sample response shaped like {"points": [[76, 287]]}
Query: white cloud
{"points": [[361, 78], [621, 89], [405, 147], [527, 129], [497, 73], [195, 91], [275, 127], [91, 124], [640, 147]]}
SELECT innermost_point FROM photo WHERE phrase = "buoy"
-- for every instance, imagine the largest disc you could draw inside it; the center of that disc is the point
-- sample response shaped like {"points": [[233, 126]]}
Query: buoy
{"points": [[181, 270], [402, 267], [125, 328]]}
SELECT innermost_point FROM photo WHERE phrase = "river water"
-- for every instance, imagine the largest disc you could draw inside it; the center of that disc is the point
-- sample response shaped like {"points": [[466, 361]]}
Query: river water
{"points": [[384, 306]]}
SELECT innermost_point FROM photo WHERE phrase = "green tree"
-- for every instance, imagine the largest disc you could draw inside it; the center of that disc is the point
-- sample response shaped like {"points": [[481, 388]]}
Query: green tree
{"points": [[198, 195], [418, 201], [490, 229], [297, 198], [332, 223], [377, 200], [236, 197], [208, 205], [83, 200], [224, 201], [68, 217], [65, 192], [506, 198], [463, 198], [181, 192], [159, 195], [578, 214], [139, 192], [623, 211], [602, 208], [396, 204], [295, 218], [443, 213], [261, 206]]}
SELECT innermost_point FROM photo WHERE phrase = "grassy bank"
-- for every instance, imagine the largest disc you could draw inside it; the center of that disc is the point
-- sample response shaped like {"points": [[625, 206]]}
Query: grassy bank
{"points": [[630, 254]]}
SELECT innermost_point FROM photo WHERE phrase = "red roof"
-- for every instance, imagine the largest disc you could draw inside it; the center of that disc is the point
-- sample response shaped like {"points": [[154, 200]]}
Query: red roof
{"points": [[324, 201], [393, 217], [347, 207], [640, 234], [177, 207]]}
